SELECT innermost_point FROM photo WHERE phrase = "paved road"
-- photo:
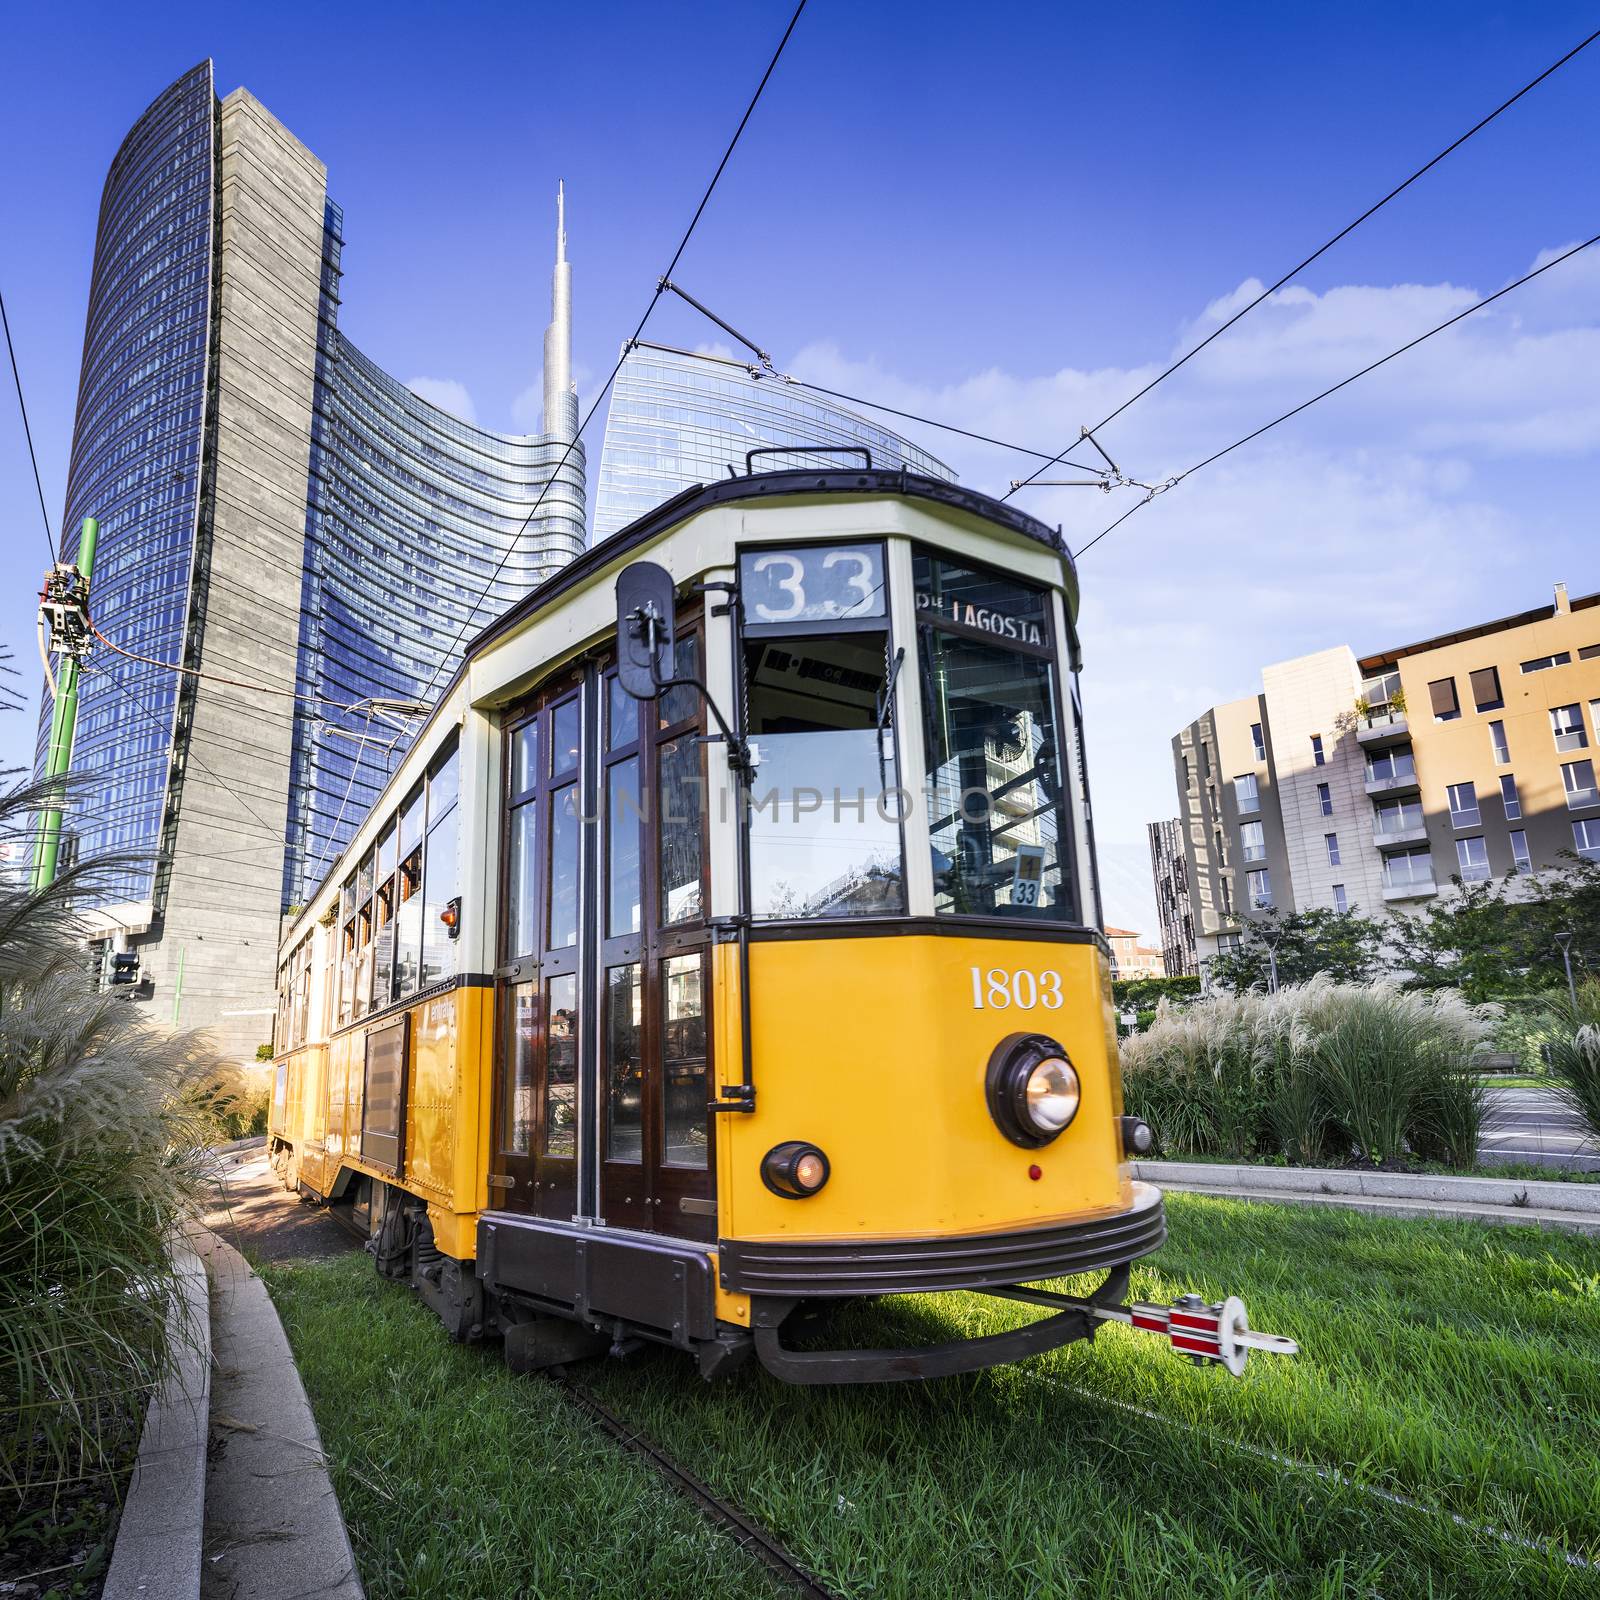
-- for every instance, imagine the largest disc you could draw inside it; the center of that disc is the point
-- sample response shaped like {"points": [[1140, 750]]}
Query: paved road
{"points": [[1533, 1125], [259, 1217]]}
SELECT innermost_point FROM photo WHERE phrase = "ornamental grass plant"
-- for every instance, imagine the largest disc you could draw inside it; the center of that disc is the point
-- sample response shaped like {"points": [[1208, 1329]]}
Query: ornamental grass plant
{"points": [[1575, 1053], [1319, 1071], [105, 1122]]}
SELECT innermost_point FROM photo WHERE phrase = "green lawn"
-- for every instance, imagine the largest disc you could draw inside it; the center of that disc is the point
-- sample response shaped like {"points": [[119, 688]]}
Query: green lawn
{"points": [[1452, 1365]]}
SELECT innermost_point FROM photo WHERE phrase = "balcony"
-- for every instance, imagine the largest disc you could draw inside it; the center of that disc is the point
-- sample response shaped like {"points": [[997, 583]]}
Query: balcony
{"points": [[1401, 782], [1380, 726], [1403, 833], [1410, 889]]}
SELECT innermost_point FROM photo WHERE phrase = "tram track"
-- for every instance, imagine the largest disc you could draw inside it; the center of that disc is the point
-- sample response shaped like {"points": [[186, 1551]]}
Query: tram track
{"points": [[721, 1514]]}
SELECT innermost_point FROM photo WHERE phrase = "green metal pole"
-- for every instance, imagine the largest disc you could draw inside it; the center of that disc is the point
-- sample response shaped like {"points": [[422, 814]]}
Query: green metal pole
{"points": [[63, 729]]}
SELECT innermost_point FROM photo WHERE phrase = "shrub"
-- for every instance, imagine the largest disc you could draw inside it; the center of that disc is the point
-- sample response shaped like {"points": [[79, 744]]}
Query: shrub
{"points": [[1575, 1053], [1140, 994], [103, 1124], [1319, 1070]]}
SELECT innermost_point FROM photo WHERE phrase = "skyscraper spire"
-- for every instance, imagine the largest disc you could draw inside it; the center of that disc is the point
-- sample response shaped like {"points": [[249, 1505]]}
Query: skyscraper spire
{"points": [[560, 402]]}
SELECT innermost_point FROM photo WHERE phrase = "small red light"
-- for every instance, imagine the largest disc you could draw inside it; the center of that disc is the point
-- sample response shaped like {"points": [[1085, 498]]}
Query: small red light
{"points": [[1036, 1172]]}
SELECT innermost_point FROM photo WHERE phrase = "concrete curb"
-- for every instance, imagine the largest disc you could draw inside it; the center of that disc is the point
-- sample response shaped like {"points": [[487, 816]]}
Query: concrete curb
{"points": [[159, 1539], [1568, 1207], [273, 1525], [1521, 1193]]}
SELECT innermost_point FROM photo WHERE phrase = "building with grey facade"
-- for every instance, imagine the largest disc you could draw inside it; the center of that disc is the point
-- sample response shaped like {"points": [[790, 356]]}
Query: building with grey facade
{"points": [[292, 547], [1378, 783], [679, 418], [1169, 868]]}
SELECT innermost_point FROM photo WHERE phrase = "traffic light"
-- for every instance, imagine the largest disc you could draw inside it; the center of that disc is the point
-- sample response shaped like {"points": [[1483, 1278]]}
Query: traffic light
{"points": [[124, 967]]}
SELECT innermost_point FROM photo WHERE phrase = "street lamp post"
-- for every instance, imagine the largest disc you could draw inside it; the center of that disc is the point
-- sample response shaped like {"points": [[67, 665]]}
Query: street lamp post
{"points": [[1272, 954], [1565, 941]]}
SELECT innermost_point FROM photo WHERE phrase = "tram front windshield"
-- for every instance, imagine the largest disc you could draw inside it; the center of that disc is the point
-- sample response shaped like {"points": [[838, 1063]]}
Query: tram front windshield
{"points": [[824, 809], [993, 745]]}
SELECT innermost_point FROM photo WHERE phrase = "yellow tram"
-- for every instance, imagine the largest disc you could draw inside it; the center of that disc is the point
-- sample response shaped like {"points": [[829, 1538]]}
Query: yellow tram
{"points": [[727, 942]]}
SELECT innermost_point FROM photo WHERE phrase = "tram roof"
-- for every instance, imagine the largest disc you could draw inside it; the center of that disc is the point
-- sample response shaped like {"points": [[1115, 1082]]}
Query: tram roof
{"points": [[768, 485], [870, 483]]}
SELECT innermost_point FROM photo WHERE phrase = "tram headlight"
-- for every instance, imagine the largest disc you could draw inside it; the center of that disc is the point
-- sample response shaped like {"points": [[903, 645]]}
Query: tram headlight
{"points": [[1032, 1089], [795, 1169]]}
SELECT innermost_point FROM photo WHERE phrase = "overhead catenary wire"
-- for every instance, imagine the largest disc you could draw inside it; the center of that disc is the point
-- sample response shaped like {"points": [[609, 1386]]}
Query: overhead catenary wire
{"points": [[1321, 250], [660, 289], [1372, 366], [27, 432]]}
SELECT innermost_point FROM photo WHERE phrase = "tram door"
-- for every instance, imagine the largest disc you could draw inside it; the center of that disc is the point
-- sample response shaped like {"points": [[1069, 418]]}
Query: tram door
{"points": [[539, 980], [602, 1064], [655, 1155]]}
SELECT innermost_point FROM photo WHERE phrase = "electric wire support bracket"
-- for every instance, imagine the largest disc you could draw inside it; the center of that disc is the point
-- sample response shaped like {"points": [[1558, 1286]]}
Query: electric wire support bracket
{"points": [[1105, 479], [64, 605]]}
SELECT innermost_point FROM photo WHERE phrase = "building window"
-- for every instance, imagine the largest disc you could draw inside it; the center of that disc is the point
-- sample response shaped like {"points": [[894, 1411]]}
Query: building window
{"points": [[1577, 777], [1589, 652], [1408, 869], [1317, 755], [1245, 792], [1205, 759], [1227, 943], [1544, 663], [1222, 849], [1521, 861], [1442, 693], [1258, 739], [1510, 799], [1260, 884], [1486, 694], [1226, 885], [1497, 738], [1389, 766], [1463, 806], [1253, 839], [1341, 901], [1325, 799], [1472, 857], [1332, 842], [1566, 723], [1396, 816], [1188, 776], [1586, 838]]}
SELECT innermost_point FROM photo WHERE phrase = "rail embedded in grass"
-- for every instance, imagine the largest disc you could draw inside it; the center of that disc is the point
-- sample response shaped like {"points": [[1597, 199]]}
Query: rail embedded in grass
{"points": [[1440, 1366]]}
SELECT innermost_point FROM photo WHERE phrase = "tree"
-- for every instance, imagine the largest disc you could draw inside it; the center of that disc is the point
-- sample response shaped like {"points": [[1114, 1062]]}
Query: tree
{"points": [[1499, 937], [1349, 948]]}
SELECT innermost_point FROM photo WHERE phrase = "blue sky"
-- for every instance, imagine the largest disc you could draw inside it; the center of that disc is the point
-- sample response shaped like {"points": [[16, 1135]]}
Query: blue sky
{"points": [[1007, 216]]}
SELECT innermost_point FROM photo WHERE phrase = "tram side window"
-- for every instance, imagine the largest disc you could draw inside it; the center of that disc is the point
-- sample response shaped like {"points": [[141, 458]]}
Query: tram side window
{"points": [[408, 890], [995, 782], [441, 876], [385, 899], [347, 951], [824, 814], [365, 912]]}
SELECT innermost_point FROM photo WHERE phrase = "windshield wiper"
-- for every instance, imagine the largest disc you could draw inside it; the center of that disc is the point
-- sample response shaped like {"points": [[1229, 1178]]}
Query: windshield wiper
{"points": [[885, 702]]}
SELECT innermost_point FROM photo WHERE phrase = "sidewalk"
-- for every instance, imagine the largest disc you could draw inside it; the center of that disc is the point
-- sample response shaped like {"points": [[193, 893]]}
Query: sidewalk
{"points": [[273, 1529]]}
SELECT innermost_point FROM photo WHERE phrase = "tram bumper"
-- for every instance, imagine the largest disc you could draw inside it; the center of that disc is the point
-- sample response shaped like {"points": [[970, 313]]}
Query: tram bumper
{"points": [[779, 1274]]}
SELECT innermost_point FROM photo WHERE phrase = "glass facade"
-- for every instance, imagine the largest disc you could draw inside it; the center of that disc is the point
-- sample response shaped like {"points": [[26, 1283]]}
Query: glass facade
{"points": [[678, 419], [414, 523], [414, 539], [137, 448]]}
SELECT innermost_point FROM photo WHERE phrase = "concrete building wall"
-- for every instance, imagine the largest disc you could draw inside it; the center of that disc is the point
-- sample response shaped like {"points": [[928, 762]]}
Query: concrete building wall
{"points": [[1461, 749], [217, 956], [1450, 727], [1307, 700]]}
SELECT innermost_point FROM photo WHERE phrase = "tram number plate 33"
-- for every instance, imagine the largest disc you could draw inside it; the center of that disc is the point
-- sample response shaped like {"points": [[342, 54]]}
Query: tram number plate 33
{"points": [[997, 989]]}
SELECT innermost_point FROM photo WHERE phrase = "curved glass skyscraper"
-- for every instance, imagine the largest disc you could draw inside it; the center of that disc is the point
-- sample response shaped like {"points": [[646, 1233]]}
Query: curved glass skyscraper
{"points": [[278, 517], [679, 418], [418, 533], [136, 462]]}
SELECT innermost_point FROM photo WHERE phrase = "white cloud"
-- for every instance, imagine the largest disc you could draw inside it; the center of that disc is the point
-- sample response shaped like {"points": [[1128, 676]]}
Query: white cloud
{"points": [[1452, 485], [447, 394]]}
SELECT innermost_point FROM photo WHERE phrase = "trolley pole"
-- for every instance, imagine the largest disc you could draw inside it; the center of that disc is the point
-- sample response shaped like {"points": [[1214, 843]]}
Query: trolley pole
{"points": [[64, 711]]}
